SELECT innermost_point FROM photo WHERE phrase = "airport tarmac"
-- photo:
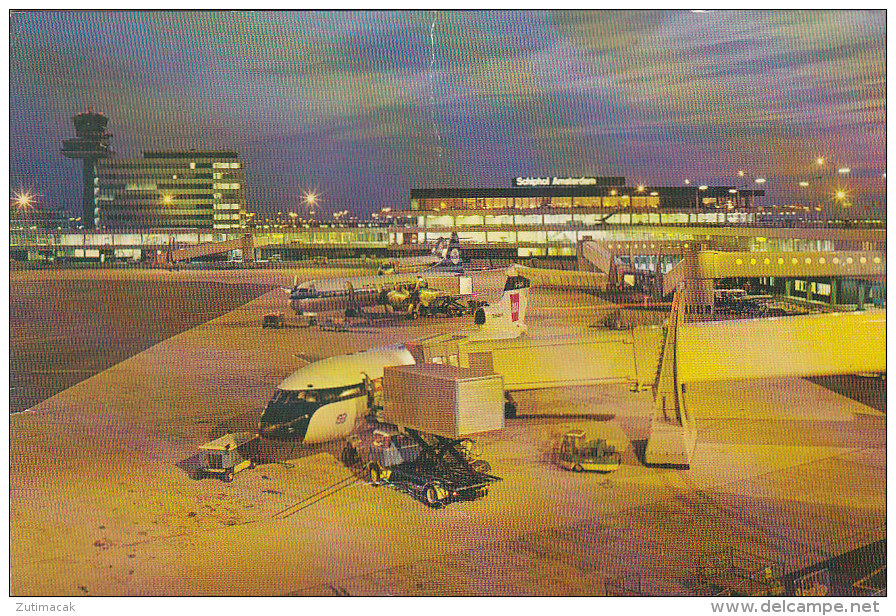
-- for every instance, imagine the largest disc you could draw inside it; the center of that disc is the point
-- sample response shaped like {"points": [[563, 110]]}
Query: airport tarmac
{"points": [[102, 501]]}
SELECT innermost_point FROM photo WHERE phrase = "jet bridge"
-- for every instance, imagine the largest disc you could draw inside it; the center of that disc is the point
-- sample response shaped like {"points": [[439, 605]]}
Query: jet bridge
{"points": [[807, 345], [712, 265], [617, 258]]}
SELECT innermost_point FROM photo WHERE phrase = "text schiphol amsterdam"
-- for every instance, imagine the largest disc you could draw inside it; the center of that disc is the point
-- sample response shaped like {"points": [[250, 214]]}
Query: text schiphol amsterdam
{"points": [[583, 181]]}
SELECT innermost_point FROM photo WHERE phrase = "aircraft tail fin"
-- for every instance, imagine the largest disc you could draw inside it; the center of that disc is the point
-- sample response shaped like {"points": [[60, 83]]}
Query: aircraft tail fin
{"points": [[440, 249], [507, 317]]}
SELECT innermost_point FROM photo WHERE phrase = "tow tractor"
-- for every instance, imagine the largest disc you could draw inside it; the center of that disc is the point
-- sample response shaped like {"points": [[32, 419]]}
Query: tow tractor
{"points": [[430, 455], [451, 306], [227, 455], [596, 455]]}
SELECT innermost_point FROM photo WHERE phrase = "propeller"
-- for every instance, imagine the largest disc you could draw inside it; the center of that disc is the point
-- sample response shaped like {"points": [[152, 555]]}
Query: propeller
{"points": [[382, 296]]}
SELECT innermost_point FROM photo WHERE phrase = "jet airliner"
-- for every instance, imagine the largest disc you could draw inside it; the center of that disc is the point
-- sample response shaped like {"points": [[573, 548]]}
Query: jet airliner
{"points": [[321, 401]]}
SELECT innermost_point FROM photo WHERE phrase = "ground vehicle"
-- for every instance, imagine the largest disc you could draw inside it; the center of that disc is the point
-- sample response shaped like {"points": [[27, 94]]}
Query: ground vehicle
{"points": [[431, 457], [736, 301], [431, 468], [579, 455], [729, 300], [277, 320], [227, 455], [454, 306], [273, 321]]}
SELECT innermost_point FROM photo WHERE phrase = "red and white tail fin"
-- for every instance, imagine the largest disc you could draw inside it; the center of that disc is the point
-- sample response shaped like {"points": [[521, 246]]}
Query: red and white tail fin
{"points": [[507, 317]]}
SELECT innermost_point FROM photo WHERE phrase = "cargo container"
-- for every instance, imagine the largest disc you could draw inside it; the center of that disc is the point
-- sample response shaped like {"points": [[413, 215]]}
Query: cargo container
{"points": [[444, 400]]}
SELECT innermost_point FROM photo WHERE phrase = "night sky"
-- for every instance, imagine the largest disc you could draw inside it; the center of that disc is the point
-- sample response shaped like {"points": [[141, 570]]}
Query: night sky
{"points": [[362, 107]]}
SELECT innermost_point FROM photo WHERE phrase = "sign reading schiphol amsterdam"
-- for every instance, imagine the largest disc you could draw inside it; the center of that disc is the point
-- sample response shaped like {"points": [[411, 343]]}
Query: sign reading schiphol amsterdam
{"points": [[583, 181]]}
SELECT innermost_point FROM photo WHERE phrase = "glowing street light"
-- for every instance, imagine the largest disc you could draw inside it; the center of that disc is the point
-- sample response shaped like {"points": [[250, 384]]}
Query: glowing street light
{"points": [[760, 180], [167, 199], [640, 188], [820, 161], [23, 199], [740, 173], [840, 195], [844, 170], [703, 187], [687, 182], [311, 198], [804, 184]]}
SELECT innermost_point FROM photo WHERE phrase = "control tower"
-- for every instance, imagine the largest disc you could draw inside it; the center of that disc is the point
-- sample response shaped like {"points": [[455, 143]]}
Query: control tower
{"points": [[91, 144]]}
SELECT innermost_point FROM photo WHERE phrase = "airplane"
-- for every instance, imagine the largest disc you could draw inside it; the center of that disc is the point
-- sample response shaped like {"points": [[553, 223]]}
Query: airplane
{"points": [[351, 294], [445, 255], [321, 401]]}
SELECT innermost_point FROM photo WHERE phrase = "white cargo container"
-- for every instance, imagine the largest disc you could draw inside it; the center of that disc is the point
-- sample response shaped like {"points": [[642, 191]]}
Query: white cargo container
{"points": [[444, 400]]}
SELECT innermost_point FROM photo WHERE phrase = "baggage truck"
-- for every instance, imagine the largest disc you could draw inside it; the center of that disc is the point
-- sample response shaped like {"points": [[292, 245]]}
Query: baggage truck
{"points": [[425, 449]]}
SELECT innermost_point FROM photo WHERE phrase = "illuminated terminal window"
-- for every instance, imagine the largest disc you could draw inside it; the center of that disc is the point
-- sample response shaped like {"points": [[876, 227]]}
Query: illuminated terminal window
{"points": [[469, 221], [587, 202], [562, 236], [440, 221], [528, 220], [501, 237], [564, 202], [588, 219], [532, 237], [471, 237], [498, 219]]}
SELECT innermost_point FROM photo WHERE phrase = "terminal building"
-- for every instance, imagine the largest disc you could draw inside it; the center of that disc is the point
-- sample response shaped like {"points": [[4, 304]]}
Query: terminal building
{"points": [[170, 190], [548, 216]]}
